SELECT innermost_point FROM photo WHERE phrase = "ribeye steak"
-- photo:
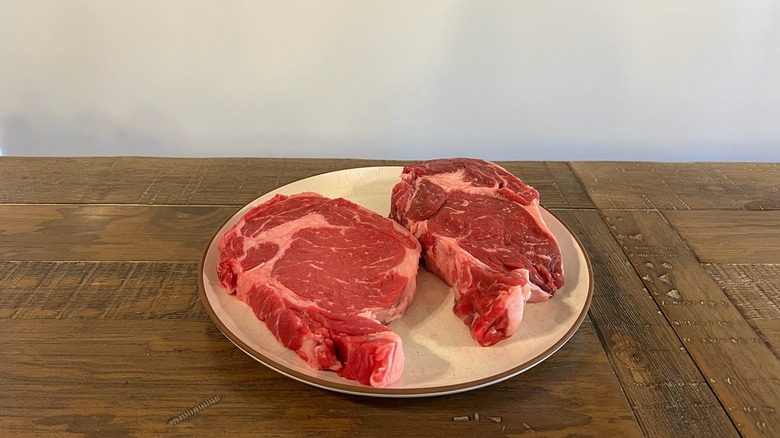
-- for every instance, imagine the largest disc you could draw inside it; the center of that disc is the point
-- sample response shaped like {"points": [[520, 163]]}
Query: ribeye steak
{"points": [[325, 275], [483, 234]]}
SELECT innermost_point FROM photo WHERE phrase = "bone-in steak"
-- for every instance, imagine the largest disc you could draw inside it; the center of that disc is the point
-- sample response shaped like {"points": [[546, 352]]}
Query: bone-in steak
{"points": [[482, 233], [325, 275]]}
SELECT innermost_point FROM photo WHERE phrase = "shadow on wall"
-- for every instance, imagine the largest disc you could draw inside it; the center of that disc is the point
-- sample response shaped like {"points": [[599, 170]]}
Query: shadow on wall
{"points": [[87, 134], [151, 133]]}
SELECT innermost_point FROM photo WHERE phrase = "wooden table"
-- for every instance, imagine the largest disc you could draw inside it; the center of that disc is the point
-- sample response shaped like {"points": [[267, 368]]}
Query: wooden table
{"points": [[102, 332]]}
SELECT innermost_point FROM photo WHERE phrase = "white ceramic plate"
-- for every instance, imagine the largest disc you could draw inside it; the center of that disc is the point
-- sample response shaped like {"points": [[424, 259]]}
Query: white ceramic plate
{"points": [[441, 356]]}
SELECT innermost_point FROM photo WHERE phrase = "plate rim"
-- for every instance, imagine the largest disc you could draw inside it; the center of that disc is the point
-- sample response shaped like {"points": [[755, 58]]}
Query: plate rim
{"points": [[366, 390]]}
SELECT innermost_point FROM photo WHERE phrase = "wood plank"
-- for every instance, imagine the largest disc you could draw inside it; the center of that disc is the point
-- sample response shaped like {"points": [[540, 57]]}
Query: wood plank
{"points": [[737, 364], [102, 290], [213, 181], [754, 291], [666, 390], [730, 236], [557, 184], [144, 180], [130, 377], [39, 179], [681, 186], [104, 232]]}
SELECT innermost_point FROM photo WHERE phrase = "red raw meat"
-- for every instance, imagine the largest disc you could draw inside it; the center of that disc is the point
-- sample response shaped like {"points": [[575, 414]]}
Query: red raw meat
{"points": [[482, 233], [325, 275]]}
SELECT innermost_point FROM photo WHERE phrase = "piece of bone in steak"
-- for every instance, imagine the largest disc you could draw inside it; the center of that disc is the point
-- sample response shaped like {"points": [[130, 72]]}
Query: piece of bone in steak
{"points": [[482, 233], [325, 275]]}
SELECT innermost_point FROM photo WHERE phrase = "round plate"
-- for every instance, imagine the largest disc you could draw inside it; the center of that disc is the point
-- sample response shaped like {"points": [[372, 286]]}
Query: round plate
{"points": [[441, 356]]}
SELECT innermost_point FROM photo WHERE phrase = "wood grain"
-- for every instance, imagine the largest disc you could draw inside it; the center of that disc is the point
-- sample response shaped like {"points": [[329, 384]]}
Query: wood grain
{"points": [[557, 184], [132, 376], [105, 232], [664, 386], [730, 236], [102, 333], [160, 181], [681, 186], [102, 290], [739, 367], [214, 181], [753, 289]]}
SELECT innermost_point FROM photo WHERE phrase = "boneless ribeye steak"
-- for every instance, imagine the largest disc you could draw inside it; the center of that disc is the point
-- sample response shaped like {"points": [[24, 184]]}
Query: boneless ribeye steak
{"points": [[325, 275], [482, 233]]}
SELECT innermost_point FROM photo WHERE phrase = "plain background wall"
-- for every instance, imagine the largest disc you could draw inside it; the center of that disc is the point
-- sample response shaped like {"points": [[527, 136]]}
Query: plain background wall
{"points": [[655, 80]]}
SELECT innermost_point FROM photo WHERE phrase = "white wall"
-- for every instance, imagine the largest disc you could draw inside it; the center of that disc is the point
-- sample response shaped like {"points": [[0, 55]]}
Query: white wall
{"points": [[654, 80]]}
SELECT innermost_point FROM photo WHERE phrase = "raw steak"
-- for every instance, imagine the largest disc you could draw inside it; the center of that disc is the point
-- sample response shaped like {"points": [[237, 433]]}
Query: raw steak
{"points": [[482, 233], [325, 275]]}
